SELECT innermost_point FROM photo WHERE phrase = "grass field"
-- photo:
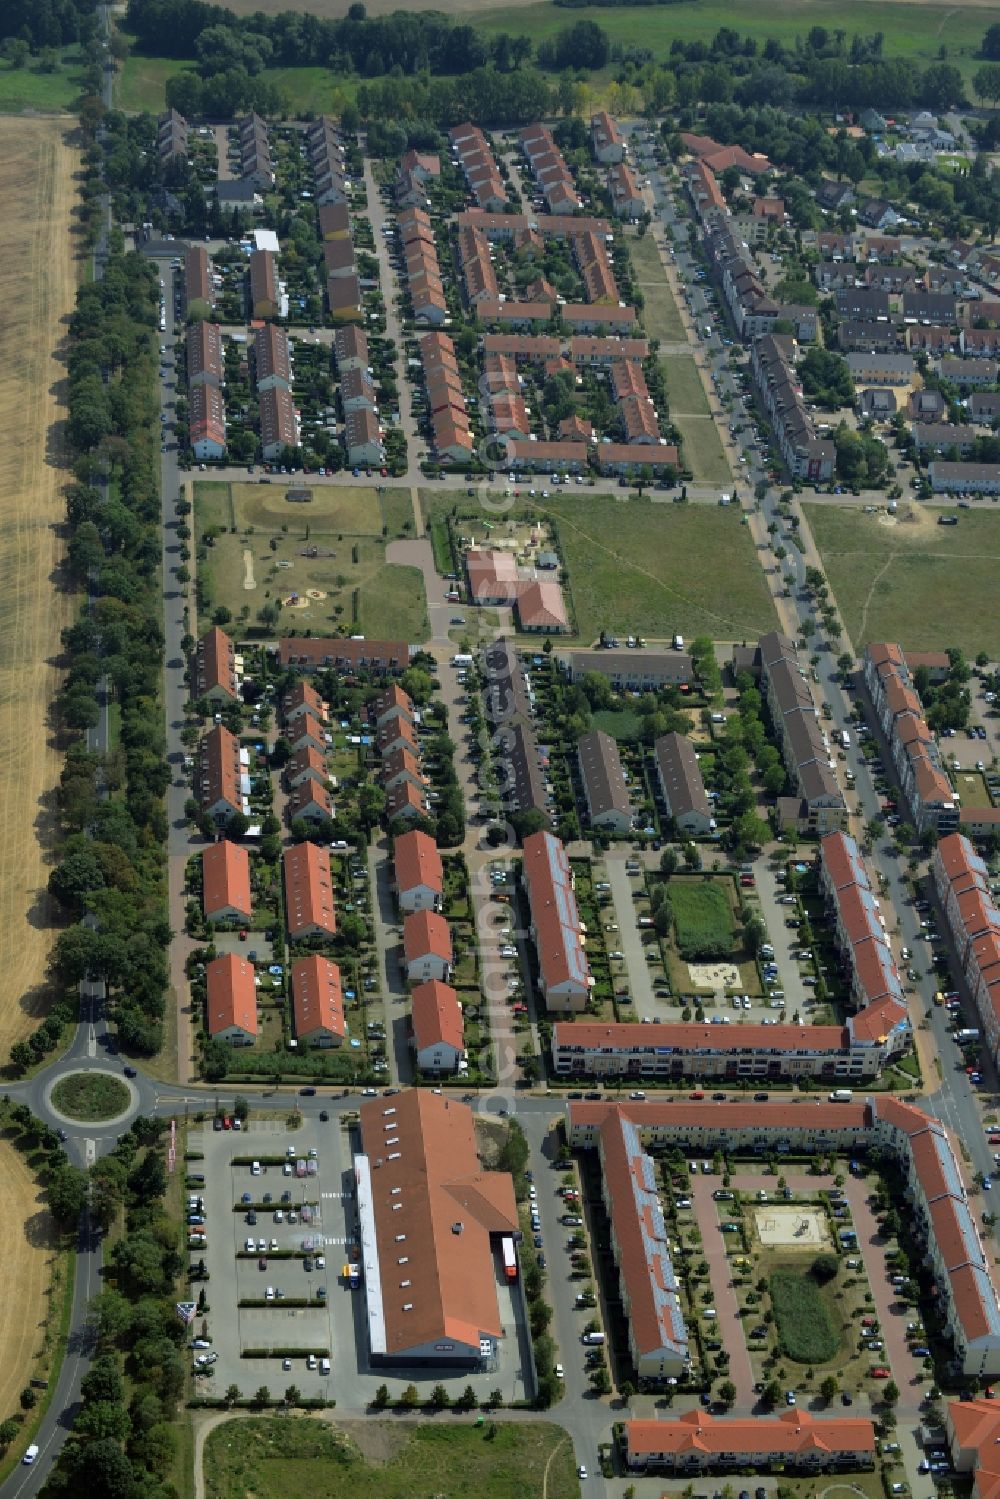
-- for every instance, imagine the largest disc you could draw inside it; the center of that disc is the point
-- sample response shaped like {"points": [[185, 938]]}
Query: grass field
{"points": [[264, 539], [649, 568], [619, 723], [660, 314], [30, 88], [924, 585], [30, 1252], [302, 1458], [90, 1095], [910, 29], [689, 411], [142, 81], [38, 279], [805, 1327], [703, 918]]}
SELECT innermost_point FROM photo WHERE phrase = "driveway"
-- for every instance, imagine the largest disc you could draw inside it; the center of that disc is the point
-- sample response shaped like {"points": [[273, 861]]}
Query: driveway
{"points": [[420, 554], [782, 938], [628, 939], [728, 1319]]}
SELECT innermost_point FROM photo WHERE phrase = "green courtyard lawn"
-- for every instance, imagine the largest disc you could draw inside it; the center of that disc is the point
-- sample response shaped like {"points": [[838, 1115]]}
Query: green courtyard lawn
{"points": [[324, 561], [910, 29], [807, 1331], [912, 581], [643, 566], [702, 449], [660, 315], [703, 917], [301, 1458]]}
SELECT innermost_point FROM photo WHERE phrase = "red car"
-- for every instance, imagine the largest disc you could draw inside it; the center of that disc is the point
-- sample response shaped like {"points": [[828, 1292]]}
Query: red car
{"points": [[696, 1095], [993, 1139], [227, 1123], [880, 1373]]}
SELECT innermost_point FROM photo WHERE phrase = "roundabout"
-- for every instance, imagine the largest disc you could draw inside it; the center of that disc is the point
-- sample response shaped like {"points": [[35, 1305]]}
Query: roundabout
{"points": [[91, 1097]]}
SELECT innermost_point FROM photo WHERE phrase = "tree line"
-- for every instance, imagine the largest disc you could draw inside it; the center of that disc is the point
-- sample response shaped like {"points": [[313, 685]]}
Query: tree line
{"points": [[48, 23], [111, 808]]}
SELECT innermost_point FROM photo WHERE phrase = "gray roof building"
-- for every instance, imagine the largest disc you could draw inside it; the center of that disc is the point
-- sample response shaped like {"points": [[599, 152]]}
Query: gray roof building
{"points": [[604, 785], [681, 783]]}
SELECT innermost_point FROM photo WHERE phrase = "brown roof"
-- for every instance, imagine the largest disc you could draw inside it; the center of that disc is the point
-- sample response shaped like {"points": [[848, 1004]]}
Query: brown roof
{"points": [[681, 776], [303, 695], [689, 1036], [603, 776], [311, 652], [416, 861], [334, 218], [206, 414], [263, 277], [436, 1016], [435, 1210], [231, 994], [225, 878], [220, 768], [272, 354], [426, 932], [197, 280], [351, 343], [277, 418], [204, 351], [216, 657], [317, 998], [308, 889]]}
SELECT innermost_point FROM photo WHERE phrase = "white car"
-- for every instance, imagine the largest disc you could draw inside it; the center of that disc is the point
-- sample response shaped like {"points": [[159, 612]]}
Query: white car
{"points": [[560, 1372], [250, 1246], [581, 1471], [269, 1294], [321, 1262]]}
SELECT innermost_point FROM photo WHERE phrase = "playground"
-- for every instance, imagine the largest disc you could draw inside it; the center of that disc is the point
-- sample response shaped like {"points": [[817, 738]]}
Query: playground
{"points": [[791, 1227]]}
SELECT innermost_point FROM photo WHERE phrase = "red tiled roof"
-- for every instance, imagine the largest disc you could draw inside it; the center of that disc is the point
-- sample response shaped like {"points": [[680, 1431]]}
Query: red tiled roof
{"points": [[426, 932], [417, 862], [231, 994], [225, 878], [308, 889], [793, 1431], [317, 997], [436, 1016]]}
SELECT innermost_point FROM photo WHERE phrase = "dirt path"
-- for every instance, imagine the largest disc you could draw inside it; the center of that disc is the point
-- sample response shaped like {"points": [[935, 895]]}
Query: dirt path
{"points": [[38, 276]]}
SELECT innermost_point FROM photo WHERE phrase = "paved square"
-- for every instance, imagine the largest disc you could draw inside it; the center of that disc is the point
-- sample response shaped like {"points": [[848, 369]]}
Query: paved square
{"points": [[791, 1227]]}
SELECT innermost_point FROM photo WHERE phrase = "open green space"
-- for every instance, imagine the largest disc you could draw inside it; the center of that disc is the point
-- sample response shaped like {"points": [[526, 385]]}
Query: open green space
{"points": [[685, 390], [31, 88], [910, 580], [620, 723], [689, 411], [90, 1096], [910, 30], [660, 314], [644, 567], [142, 82], [301, 1458], [806, 1330], [703, 918], [323, 562]]}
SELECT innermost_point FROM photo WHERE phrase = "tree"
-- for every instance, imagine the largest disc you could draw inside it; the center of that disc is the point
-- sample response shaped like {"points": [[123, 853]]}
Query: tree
{"points": [[727, 1392], [829, 1387], [381, 1397], [67, 1192], [668, 861], [410, 1397], [890, 1392], [232, 1394], [440, 1397]]}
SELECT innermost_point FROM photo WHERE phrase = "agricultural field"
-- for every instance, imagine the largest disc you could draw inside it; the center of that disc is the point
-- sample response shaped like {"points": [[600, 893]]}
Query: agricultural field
{"points": [[638, 565], [302, 1458], [910, 28], [908, 579], [703, 918], [38, 275], [806, 1330], [29, 1258], [660, 315], [323, 563]]}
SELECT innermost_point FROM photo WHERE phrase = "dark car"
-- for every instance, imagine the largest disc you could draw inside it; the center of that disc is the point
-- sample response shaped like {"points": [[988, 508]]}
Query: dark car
{"points": [[718, 1097], [760, 1098], [246, 1197], [307, 1092], [537, 1241], [846, 1399], [324, 1117], [592, 1096], [130, 1072], [251, 1217], [268, 1198], [216, 1123]]}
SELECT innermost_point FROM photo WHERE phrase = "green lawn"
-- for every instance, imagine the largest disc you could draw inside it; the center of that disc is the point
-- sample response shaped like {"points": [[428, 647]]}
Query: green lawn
{"points": [[141, 85], [703, 919], [685, 390], [915, 582], [806, 1330], [300, 1458], [620, 723], [647, 568], [660, 314], [689, 411], [141, 82], [324, 561], [90, 1096], [910, 30], [30, 88]]}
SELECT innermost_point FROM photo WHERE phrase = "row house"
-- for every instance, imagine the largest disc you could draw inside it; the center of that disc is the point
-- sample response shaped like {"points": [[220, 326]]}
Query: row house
{"points": [[334, 222], [627, 201], [476, 264], [318, 1002], [376, 658], [474, 155], [328, 159], [350, 348], [199, 291], [222, 779], [358, 393], [363, 438], [203, 348], [606, 139], [225, 883], [590, 252], [548, 167], [926, 788], [171, 136], [272, 358], [265, 293], [602, 776], [800, 738], [418, 872], [942, 437], [279, 423], [231, 1000], [698, 1442], [680, 782], [980, 343], [424, 283], [964, 478], [206, 422], [215, 675], [308, 881], [805, 455], [253, 143], [962, 881], [706, 195], [427, 948], [556, 930], [970, 374], [437, 1029], [451, 433]]}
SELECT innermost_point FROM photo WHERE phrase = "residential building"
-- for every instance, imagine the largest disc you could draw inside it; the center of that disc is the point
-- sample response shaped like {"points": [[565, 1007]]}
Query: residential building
{"points": [[563, 973], [306, 764], [864, 947], [203, 346], [335, 219], [698, 1442], [682, 787], [309, 800], [418, 872], [272, 358], [964, 478], [438, 1032], [225, 882], [427, 949], [206, 422], [800, 738], [962, 882], [231, 1000], [606, 139], [627, 201], [309, 908], [222, 783], [630, 671], [215, 667], [171, 136], [430, 1221], [318, 1002], [603, 778], [928, 792], [881, 369], [265, 297], [350, 347], [316, 653], [279, 423], [199, 295], [805, 454], [255, 164], [363, 440], [970, 374], [540, 608]]}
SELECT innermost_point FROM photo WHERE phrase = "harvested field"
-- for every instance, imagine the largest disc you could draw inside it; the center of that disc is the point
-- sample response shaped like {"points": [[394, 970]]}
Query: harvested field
{"points": [[29, 1251], [38, 282]]}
